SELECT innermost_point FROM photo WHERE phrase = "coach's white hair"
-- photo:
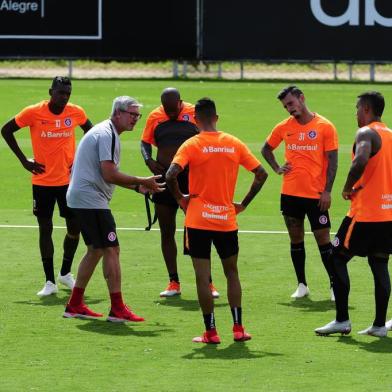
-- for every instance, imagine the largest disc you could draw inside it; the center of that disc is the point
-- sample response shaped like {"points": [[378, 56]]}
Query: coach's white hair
{"points": [[122, 103]]}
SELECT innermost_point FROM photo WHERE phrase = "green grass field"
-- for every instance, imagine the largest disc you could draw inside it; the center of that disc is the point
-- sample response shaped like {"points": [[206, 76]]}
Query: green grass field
{"points": [[41, 351]]}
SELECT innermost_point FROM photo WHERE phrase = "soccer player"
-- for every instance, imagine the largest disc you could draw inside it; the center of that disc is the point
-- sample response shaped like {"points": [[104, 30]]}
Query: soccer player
{"points": [[94, 176], [52, 129], [367, 228], [214, 158], [311, 160], [167, 127]]}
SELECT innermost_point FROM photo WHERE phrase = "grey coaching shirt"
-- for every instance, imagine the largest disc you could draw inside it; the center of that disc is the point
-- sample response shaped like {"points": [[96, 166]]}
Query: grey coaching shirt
{"points": [[87, 188]]}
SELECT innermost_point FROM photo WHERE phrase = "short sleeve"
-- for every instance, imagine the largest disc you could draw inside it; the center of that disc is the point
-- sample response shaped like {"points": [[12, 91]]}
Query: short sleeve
{"points": [[81, 116], [25, 118], [182, 155], [275, 137], [148, 132], [247, 159], [330, 138], [105, 149]]}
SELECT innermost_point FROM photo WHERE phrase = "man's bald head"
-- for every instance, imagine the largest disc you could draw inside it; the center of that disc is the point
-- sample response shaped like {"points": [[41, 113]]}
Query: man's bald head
{"points": [[171, 102]]}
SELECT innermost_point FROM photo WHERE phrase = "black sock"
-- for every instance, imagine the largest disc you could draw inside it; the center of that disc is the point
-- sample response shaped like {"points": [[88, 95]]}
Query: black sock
{"points": [[326, 252], [382, 288], [341, 285], [237, 315], [174, 277], [298, 257], [70, 245], [47, 263], [209, 321]]}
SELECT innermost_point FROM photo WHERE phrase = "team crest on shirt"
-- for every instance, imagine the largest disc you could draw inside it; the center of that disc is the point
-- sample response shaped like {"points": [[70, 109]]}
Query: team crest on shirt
{"points": [[112, 236], [312, 134], [185, 117], [323, 219], [68, 122]]}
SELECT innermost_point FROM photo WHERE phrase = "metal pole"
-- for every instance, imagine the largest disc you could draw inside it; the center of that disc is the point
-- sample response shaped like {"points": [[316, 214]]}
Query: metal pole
{"points": [[335, 71], [199, 29], [372, 71], [241, 70], [220, 71], [184, 69], [175, 69], [70, 68]]}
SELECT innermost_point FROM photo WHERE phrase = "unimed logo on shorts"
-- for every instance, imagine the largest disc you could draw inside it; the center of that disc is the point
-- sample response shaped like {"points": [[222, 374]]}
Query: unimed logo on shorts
{"points": [[112, 236]]}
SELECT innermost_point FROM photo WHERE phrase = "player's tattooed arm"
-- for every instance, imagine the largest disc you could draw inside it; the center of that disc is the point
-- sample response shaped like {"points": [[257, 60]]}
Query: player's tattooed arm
{"points": [[332, 157], [268, 155], [172, 182], [325, 197], [258, 182], [363, 150], [154, 166]]}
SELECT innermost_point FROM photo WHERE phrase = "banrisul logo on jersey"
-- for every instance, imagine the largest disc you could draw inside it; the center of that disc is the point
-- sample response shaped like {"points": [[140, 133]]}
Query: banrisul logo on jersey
{"points": [[352, 15], [312, 134], [68, 122], [185, 117], [209, 149]]}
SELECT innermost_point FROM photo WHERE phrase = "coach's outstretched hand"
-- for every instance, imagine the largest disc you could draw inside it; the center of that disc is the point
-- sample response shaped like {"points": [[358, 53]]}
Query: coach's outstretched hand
{"points": [[149, 184]]}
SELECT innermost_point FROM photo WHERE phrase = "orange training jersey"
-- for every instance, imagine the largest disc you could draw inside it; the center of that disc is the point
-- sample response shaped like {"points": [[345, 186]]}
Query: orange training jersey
{"points": [[373, 200], [213, 159], [53, 140], [161, 131], [305, 148]]}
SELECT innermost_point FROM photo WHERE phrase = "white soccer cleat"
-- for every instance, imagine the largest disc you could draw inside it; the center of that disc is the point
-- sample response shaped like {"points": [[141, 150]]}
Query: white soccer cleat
{"points": [[388, 325], [49, 289], [379, 332], [67, 280], [332, 295], [173, 289], [343, 327], [302, 291], [214, 291]]}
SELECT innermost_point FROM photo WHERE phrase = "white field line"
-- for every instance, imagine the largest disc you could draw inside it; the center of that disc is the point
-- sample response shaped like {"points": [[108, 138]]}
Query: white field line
{"points": [[153, 229]]}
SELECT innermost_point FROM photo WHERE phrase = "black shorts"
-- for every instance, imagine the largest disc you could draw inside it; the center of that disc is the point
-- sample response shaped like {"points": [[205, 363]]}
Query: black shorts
{"points": [[166, 197], [45, 198], [98, 227], [298, 207], [364, 238], [197, 243]]}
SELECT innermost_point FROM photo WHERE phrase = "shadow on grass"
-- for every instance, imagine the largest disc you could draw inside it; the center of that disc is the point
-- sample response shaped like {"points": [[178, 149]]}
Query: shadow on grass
{"points": [[306, 304], [234, 351], [120, 329], [53, 300], [186, 304], [375, 345]]}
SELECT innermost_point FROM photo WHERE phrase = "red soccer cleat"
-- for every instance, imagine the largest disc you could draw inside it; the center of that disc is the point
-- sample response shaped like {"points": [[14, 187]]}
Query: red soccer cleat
{"points": [[123, 315], [80, 311], [239, 334], [210, 337]]}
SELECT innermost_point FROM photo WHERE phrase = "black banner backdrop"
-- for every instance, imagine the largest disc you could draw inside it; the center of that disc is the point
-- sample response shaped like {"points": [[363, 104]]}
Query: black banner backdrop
{"points": [[344, 30], [150, 30], [101, 29]]}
